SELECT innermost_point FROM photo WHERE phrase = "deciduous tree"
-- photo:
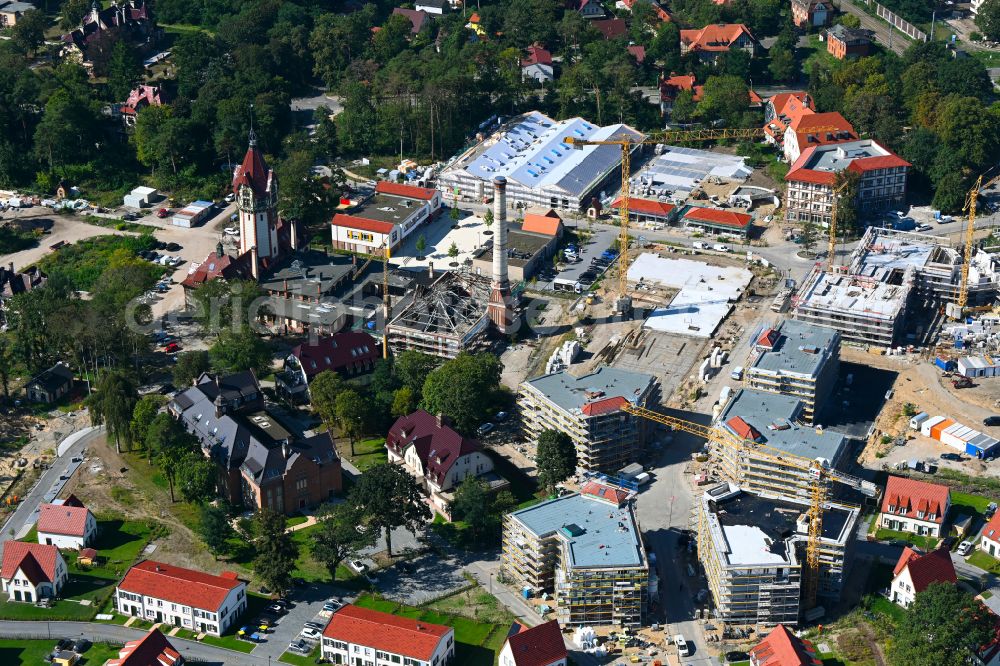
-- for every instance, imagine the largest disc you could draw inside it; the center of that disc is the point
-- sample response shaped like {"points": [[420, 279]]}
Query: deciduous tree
{"points": [[465, 388], [556, 458], [338, 537], [388, 497], [189, 366], [112, 405], [352, 412], [942, 626], [215, 529], [236, 351], [276, 551], [323, 391]]}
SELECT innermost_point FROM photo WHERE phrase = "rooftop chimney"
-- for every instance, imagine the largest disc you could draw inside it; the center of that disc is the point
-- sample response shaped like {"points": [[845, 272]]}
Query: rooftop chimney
{"points": [[500, 307]]}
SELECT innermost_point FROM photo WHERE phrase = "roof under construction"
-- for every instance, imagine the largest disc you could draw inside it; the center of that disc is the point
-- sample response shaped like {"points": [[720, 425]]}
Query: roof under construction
{"points": [[454, 307]]}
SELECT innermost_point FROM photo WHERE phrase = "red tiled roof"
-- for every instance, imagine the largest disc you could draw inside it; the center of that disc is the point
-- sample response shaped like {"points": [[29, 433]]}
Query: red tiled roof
{"points": [[341, 351], [604, 406], [215, 266], [36, 560], [65, 520], [743, 429], [382, 631], [153, 649], [252, 172], [788, 108], [992, 529], [915, 496], [88, 553], [362, 223], [768, 338], [398, 190], [782, 648], [536, 646], [178, 585], [422, 430], [616, 496], [934, 567], [610, 28], [647, 206], [806, 127], [809, 176], [541, 224], [879, 162], [71, 500], [537, 55], [714, 37], [638, 52], [716, 216]]}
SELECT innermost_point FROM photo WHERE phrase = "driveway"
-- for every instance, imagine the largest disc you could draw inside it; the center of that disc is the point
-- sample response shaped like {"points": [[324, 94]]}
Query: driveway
{"points": [[49, 484], [309, 602], [112, 633]]}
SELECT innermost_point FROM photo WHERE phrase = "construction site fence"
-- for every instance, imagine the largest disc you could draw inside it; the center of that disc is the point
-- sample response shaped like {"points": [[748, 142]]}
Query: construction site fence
{"points": [[896, 21]]}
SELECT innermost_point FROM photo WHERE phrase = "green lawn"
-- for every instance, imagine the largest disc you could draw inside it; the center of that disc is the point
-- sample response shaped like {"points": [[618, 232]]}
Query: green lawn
{"points": [[882, 605], [926, 543], [477, 642], [368, 453], [984, 561], [816, 51], [977, 503], [230, 642], [300, 660], [296, 520], [60, 610], [13, 652]]}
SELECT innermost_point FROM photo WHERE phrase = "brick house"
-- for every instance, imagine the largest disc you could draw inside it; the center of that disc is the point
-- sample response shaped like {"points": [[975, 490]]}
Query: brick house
{"points": [[909, 505], [811, 13], [915, 571], [845, 43], [719, 38]]}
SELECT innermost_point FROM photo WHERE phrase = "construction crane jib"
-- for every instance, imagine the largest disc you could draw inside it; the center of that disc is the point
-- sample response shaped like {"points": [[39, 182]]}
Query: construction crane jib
{"points": [[816, 470], [970, 234]]}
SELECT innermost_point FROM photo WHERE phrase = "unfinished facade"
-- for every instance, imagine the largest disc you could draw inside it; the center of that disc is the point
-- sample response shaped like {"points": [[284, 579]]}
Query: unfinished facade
{"points": [[589, 410], [586, 549], [752, 547], [795, 359], [867, 300], [444, 318]]}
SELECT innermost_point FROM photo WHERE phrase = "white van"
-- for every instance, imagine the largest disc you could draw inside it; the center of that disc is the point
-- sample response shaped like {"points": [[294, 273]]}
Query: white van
{"points": [[698, 245], [720, 247], [737, 373], [683, 649], [562, 284]]}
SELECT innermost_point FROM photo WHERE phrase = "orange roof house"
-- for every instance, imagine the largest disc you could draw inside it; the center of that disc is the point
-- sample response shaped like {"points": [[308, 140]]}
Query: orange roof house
{"points": [[639, 209], [782, 110], [717, 38], [548, 223], [911, 498], [408, 638], [782, 648], [153, 649]]}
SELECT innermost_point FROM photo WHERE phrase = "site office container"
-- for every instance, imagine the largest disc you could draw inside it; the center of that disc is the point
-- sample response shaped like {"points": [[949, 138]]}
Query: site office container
{"points": [[940, 427], [981, 446], [925, 427], [918, 419], [957, 435]]}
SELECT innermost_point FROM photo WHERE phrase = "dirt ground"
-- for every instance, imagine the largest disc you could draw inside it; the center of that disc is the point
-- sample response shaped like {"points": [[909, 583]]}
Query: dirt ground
{"points": [[106, 484]]}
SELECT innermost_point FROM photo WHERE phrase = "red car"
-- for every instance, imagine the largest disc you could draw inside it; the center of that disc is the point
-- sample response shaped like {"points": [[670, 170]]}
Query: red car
{"points": [[162, 213], [171, 348]]}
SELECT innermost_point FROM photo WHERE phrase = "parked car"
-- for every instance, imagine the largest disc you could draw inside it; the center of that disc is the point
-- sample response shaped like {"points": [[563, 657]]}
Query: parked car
{"points": [[231, 231], [358, 566], [698, 245], [485, 429], [951, 456], [173, 247], [991, 421], [162, 213], [310, 634], [172, 347], [961, 382], [312, 624], [720, 247], [276, 609], [501, 417], [682, 647], [964, 548], [299, 646]]}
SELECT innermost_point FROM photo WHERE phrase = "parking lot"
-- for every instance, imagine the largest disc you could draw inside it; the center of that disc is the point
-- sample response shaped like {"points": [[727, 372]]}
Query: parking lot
{"points": [[600, 241]]}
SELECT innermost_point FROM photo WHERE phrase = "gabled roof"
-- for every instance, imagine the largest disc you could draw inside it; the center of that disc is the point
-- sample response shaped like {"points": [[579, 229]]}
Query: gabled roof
{"points": [[610, 494], [638, 52], [410, 191], [611, 28], [715, 216], [36, 560], [782, 648], [743, 429], [214, 267], [536, 646], [253, 172], [547, 223], [65, 520], [179, 585], [417, 17], [153, 649], [916, 496], [768, 338], [537, 55], [715, 37], [13, 283], [670, 86], [604, 406], [53, 379], [341, 351], [933, 567], [437, 446], [788, 108], [143, 96], [389, 633], [647, 206], [362, 223], [992, 529]]}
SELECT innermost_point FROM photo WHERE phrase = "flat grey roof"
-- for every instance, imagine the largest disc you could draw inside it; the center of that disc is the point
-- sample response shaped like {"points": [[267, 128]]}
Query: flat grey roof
{"points": [[838, 156], [607, 537], [385, 208], [762, 410], [572, 393], [802, 349], [309, 271], [522, 246]]}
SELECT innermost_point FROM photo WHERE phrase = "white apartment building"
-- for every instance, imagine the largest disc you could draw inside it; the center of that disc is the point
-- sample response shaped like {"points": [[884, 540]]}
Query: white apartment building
{"points": [[159, 592], [363, 637]]}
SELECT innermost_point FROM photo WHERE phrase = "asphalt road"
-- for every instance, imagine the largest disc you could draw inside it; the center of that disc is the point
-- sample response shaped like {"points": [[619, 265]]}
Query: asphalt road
{"points": [[884, 33], [112, 633], [48, 487]]}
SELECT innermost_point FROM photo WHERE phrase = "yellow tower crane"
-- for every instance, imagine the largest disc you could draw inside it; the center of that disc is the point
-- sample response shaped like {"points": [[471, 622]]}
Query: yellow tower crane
{"points": [[818, 472], [627, 144], [970, 234]]}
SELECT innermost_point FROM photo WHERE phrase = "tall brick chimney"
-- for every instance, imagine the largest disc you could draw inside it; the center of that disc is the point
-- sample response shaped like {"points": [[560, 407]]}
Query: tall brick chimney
{"points": [[500, 307]]}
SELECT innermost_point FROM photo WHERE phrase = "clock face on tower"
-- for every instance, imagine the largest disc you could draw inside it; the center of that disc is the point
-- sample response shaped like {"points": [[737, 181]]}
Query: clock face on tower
{"points": [[245, 198]]}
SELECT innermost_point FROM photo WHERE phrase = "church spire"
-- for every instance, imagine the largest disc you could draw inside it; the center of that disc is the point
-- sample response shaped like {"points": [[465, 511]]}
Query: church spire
{"points": [[253, 135]]}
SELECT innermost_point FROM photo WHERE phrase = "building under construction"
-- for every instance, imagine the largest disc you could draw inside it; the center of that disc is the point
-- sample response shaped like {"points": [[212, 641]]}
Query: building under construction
{"points": [[446, 317], [752, 547], [867, 300], [586, 550]]}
